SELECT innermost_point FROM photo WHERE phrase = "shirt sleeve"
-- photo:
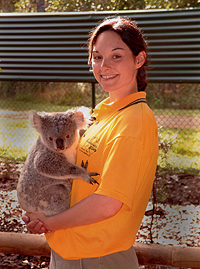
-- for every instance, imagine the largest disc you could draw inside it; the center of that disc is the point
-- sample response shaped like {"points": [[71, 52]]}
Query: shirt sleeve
{"points": [[122, 160]]}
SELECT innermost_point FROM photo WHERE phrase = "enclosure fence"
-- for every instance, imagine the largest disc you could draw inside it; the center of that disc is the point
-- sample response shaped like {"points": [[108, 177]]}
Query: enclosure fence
{"points": [[176, 108]]}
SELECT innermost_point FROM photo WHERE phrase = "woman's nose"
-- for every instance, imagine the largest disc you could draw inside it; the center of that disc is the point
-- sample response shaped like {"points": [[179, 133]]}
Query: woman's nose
{"points": [[105, 64]]}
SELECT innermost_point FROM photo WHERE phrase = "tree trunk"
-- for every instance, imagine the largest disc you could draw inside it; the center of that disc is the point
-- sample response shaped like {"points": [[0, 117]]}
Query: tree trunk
{"points": [[40, 6], [148, 254], [24, 244]]}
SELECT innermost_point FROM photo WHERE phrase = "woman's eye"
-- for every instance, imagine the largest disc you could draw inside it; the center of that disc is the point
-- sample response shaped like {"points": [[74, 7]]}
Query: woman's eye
{"points": [[96, 57], [116, 56]]}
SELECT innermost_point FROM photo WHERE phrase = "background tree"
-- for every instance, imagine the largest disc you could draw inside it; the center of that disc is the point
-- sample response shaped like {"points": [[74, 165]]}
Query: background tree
{"points": [[171, 4], [93, 5], [26, 6], [99, 5]]}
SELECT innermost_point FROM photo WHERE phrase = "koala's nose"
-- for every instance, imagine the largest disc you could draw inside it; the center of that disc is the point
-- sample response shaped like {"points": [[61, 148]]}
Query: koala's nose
{"points": [[60, 143]]}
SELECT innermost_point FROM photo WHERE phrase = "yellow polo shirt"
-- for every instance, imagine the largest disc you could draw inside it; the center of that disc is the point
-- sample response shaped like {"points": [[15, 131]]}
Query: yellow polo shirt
{"points": [[122, 146]]}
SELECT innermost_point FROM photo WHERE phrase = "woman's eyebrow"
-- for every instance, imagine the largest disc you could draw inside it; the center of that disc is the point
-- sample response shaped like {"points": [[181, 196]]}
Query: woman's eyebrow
{"points": [[96, 51], [117, 49]]}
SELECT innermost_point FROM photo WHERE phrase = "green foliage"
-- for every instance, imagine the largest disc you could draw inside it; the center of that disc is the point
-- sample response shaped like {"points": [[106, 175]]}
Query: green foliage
{"points": [[48, 94], [84, 5], [171, 4], [173, 95], [22, 106], [26, 6], [99, 5]]}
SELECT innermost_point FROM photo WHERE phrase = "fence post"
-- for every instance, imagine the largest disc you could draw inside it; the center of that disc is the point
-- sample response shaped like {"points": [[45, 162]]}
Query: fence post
{"points": [[93, 95]]}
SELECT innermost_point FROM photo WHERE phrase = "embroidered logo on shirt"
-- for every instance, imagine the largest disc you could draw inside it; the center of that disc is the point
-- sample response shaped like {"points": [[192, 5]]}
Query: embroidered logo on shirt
{"points": [[90, 146]]}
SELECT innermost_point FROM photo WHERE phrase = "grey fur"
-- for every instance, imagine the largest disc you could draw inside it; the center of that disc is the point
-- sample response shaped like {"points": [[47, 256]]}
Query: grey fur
{"points": [[46, 179]]}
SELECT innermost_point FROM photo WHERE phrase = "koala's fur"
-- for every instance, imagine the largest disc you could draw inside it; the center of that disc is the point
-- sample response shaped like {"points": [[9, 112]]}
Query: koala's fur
{"points": [[46, 179]]}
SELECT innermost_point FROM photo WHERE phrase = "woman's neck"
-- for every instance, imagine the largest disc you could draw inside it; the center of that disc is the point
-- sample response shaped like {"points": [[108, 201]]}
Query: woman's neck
{"points": [[117, 95]]}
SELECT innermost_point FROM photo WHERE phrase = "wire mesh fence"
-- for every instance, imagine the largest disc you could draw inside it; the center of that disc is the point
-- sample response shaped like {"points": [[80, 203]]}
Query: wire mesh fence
{"points": [[176, 108]]}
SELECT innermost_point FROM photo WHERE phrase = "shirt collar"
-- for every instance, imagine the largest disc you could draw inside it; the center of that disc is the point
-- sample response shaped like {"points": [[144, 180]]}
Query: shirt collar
{"points": [[105, 106]]}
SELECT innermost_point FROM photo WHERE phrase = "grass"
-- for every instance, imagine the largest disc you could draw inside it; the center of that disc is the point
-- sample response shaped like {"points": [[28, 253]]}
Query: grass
{"points": [[185, 142], [8, 104], [184, 152]]}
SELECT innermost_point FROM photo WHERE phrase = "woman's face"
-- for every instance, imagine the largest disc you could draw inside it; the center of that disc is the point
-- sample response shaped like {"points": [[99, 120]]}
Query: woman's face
{"points": [[114, 65]]}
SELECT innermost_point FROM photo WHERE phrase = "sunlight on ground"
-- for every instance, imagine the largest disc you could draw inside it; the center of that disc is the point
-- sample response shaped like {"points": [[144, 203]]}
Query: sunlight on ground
{"points": [[20, 138], [180, 161], [17, 136], [179, 226]]}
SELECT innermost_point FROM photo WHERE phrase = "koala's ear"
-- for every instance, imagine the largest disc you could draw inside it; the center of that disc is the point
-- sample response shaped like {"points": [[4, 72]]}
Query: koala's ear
{"points": [[81, 117], [78, 118], [35, 120], [85, 110]]}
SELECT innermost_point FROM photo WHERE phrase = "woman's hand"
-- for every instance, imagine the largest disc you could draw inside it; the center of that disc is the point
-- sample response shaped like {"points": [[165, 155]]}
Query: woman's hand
{"points": [[34, 224]]}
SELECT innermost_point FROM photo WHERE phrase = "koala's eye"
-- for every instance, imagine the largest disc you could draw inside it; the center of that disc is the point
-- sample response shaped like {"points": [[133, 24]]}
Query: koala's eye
{"points": [[67, 136], [51, 138]]}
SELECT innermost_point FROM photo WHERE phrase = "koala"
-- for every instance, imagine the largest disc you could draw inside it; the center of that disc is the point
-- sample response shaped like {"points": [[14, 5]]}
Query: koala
{"points": [[46, 179]]}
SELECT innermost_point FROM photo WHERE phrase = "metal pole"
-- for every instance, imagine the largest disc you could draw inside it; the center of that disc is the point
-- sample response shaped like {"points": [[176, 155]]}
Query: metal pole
{"points": [[93, 95], [40, 6]]}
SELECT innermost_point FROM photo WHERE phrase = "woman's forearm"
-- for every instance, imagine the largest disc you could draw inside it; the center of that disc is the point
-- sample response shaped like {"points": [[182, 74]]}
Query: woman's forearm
{"points": [[92, 209]]}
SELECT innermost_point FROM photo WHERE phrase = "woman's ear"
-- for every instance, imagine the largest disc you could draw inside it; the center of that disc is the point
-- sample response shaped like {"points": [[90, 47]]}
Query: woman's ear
{"points": [[140, 59]]}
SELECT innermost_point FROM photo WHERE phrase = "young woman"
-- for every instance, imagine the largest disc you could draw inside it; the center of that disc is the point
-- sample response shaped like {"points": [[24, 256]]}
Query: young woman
{"points": [[99, 229]]}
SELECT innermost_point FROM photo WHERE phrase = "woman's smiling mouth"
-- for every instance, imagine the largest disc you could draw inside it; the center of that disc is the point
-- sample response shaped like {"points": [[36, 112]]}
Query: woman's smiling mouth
{"points": [[107, 77]]}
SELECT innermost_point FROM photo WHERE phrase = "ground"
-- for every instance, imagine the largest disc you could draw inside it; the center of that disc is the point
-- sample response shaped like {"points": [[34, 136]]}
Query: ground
{"points": [[179, 192]]}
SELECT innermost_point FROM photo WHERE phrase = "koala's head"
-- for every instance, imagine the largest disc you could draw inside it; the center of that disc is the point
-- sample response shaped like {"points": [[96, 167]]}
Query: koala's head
{"points": [[60, 130]]}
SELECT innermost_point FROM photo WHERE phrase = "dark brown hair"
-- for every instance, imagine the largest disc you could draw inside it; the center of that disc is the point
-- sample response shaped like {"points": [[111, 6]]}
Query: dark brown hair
{"points": [[130, 35]]}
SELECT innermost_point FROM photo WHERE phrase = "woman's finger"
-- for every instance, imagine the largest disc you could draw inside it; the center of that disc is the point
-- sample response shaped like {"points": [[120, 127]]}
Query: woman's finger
{"points": [[36, 227]]}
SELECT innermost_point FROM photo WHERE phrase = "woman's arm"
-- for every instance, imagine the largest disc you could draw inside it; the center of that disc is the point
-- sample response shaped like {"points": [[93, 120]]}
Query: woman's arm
{"points": [[92, 209]]}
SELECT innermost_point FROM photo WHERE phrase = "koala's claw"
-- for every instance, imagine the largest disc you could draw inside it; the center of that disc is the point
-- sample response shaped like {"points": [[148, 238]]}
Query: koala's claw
{"points": [[92, 180], [93, 174]]}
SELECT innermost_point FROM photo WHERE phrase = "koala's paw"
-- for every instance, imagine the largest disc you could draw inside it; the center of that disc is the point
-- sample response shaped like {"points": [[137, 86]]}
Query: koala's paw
{"points": [[92, 180], [92, 174]]}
